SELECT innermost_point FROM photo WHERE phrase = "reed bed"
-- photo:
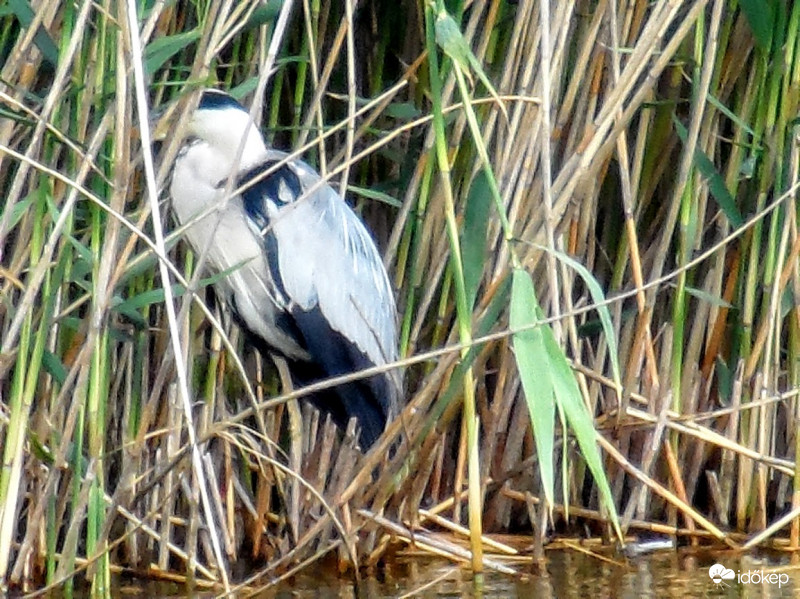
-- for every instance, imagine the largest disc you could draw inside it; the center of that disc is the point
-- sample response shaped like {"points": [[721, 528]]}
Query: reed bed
{"points": [[633, 162]]}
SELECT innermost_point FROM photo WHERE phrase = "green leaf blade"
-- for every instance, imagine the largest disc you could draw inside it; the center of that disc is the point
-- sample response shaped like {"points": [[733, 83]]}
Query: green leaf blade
{"points": [[161, 49], [532, 364], [473, 236], [25, 15], [716, 183]]}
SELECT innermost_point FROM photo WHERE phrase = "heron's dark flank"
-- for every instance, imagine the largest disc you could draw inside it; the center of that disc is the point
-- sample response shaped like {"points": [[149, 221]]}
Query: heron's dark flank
{"points": [[306, 279]]}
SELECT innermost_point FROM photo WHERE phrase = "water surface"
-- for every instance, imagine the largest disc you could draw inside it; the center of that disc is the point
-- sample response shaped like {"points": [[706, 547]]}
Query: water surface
{"points": [[566, 574], [569, 574]]}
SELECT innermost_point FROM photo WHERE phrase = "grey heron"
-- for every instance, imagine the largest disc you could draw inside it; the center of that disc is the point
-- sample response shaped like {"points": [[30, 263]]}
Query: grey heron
{"points": [[305, 277]]}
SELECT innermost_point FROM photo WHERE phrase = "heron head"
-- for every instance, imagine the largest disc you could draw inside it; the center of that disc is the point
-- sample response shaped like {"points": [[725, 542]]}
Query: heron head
{"points": [[222, 122]]}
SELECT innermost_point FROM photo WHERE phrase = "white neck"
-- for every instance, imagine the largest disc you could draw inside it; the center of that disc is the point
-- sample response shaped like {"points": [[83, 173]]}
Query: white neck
{"points": [[223, 132], [250, 152]]}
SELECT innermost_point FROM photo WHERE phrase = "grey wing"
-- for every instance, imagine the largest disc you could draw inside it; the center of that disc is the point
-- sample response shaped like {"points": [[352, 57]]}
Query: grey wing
{"points": [[327, 260]]}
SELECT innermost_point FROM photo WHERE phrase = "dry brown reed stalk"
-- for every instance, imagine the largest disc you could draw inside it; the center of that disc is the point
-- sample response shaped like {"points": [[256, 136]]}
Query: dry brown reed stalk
{"points": [[691, 236]]}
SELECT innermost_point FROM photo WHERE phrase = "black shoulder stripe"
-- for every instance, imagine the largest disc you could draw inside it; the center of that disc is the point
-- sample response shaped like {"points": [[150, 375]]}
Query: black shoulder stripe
{"points": [[257, 198], [272, 188], [271, 249]]}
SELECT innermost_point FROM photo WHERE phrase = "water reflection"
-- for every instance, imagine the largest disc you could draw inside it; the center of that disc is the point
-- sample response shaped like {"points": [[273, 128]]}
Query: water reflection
{"points": [[672, 574], [566, 575]]}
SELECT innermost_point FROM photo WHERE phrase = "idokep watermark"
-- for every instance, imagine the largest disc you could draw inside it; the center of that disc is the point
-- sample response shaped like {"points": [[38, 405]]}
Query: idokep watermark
{"points": [[719, 574]]}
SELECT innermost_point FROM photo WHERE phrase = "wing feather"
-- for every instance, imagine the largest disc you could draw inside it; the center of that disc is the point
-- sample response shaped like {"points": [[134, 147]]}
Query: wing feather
{"points": [[326, 258]]}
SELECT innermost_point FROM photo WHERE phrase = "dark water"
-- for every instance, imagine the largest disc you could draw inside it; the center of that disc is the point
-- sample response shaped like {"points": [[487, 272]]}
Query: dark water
{"points": [[566, 574]]}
